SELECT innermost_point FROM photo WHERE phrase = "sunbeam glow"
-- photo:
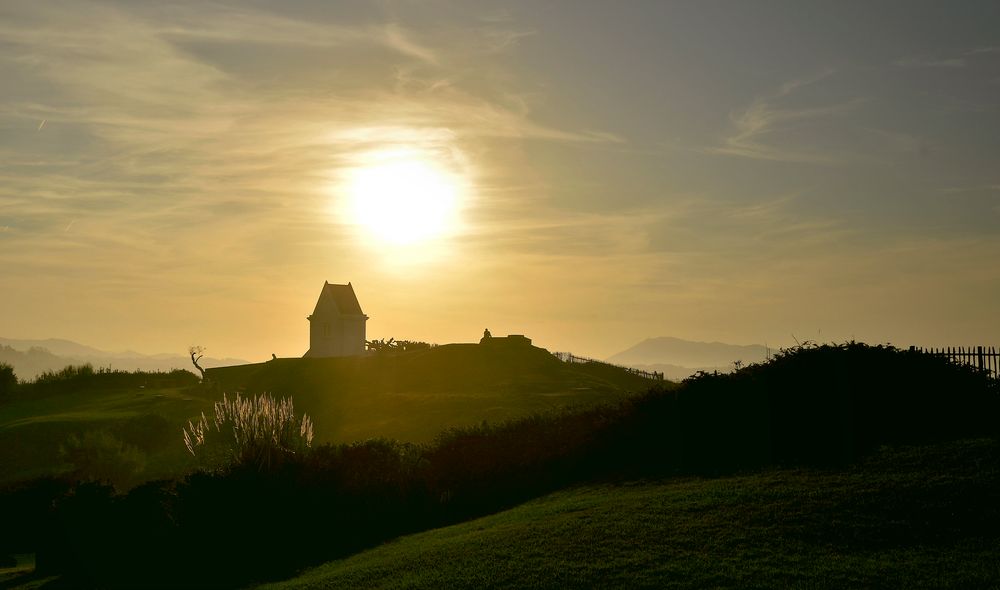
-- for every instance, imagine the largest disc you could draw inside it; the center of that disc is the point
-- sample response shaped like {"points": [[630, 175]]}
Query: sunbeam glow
{"points": [[404, 197]]}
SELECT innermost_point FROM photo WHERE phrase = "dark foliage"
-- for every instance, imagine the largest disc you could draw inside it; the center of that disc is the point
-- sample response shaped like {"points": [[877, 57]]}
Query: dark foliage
{"points": [[8, 380], [24, 511], [818, 406], [84, 377], [822, 405], [100, 456]]}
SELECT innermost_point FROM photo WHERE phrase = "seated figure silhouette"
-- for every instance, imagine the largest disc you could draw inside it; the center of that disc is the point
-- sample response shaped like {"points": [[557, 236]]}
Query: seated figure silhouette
{"points": [[486, 336]]}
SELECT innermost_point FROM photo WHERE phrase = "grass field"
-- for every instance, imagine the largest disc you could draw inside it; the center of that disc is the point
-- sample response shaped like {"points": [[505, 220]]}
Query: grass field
{"points": [[32, 430], [917, 517]]}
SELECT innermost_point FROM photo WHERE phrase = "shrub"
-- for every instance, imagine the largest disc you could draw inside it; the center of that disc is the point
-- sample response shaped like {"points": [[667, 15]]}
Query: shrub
{"points": [[24, 509], [75, 378], [68, 373], [102, 457], [264, 429], [149, 432], [8, 380]]}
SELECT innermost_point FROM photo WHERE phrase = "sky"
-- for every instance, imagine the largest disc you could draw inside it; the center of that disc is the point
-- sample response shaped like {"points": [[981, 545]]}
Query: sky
{"points": [[175, 174]]}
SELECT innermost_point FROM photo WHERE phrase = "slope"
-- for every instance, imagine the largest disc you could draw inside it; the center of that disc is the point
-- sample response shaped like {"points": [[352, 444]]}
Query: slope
{"points": [[32, 430], [917, 517]]}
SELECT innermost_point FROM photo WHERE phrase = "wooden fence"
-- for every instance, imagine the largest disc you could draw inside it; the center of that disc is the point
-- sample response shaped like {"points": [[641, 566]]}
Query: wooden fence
{"points": [[982, 357], [569, 357]]}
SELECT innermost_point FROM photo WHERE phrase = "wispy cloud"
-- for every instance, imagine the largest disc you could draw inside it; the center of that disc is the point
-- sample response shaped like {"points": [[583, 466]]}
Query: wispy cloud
{"points": [[171, 134], [958, 59], [953, 62], [199, 146], [970, 189], [221, 23], [984, 49], [755, 126]]}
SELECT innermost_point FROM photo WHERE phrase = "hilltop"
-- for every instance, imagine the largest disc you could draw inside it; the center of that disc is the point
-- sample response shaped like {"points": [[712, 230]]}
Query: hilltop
{"points": [[409, 396], [412, 396]]}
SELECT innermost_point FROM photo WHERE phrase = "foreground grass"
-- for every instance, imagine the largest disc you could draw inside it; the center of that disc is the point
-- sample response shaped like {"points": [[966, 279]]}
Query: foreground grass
{"points": [[912, 517]]}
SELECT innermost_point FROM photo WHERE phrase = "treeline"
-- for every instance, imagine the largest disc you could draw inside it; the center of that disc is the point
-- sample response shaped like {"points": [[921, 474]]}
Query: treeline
{"points": [[75, 378], [814, 406]]}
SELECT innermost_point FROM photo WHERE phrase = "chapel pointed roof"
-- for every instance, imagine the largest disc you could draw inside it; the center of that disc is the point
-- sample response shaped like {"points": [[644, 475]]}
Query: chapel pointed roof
{"points": [[343, 296]]}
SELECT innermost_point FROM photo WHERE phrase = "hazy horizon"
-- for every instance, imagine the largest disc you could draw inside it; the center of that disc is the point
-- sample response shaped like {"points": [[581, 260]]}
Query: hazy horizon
{"points": [[589, 174]]}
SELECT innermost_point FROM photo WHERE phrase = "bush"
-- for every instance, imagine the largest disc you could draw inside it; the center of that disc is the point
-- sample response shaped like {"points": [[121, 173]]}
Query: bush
{"points": [[821, 405], [74, 378], [77, 373], [100, 456], [8, 380], [24, 510]]}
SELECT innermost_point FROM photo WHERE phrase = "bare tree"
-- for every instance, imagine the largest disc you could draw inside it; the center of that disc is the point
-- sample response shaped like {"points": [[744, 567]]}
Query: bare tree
{"points": [[196, 353]]}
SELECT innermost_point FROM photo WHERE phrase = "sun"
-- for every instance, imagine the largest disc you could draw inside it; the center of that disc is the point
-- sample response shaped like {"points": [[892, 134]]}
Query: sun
{"points": [[403, 197]]}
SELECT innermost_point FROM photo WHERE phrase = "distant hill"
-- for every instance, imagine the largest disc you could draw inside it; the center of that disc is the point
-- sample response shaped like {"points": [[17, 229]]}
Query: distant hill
{"points": [[31, 358], [678, 358]]}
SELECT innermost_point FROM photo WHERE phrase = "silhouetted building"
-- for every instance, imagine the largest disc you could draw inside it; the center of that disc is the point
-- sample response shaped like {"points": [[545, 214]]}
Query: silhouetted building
{"points": [[510, 340], [337, 325]]}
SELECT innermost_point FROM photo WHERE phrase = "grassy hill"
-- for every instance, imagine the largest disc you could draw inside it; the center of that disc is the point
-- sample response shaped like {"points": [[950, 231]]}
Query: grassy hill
{"points": [[32, 429], [408, 396], [915, 517], [412, 396], [901, 517]]}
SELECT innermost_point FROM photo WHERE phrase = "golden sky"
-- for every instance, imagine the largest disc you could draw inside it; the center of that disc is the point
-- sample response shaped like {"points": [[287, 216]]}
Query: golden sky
{"points": [[186, 173]]}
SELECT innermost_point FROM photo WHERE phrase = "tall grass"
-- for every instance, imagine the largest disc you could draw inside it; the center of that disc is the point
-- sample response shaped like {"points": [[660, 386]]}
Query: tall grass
{"points": [[263, 429]]}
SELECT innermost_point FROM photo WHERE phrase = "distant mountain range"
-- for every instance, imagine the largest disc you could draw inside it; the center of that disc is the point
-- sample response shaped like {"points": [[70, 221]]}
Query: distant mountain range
{"points": [[678, 359], [31, 358]]}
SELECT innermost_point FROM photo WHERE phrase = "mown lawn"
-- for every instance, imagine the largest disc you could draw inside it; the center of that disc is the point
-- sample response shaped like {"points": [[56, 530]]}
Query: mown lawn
{"points": [[906, 518]]}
